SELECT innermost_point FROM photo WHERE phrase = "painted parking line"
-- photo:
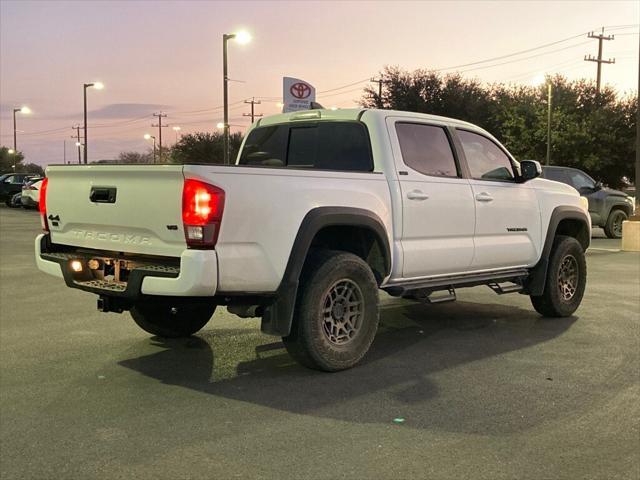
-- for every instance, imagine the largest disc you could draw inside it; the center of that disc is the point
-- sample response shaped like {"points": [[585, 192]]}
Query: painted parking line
{"points": [[598, 249]]}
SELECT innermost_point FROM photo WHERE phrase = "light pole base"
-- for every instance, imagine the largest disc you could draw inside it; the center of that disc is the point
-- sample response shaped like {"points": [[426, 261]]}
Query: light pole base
{"points": [[631, 236]]}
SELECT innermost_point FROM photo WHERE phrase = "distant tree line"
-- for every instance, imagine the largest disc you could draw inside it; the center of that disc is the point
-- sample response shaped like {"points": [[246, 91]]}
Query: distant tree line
{"points": [[9, 160], [198, 147], [591, 131]]}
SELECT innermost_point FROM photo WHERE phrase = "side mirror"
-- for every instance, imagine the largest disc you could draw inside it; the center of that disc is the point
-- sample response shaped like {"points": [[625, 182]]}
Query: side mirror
{"points": [[529, 169], [598, 186]]}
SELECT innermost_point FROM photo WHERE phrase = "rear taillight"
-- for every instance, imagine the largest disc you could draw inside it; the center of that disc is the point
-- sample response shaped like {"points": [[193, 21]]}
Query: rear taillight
{"points": [[202, 207], [42, 204]]}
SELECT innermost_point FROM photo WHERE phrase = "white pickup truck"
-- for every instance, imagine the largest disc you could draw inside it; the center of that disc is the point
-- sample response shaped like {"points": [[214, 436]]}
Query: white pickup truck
{"points": [[320, 211]]}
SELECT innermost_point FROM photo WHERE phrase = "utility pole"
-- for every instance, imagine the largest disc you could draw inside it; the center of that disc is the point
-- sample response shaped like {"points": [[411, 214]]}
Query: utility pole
{"points": [[78, 141], [253, 102], [160, 127], [600, 37], [637, 180], [379, 81]]}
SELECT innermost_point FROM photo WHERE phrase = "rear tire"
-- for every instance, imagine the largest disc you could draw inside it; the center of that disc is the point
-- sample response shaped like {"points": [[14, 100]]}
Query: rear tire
{"points": [[613, 227], [172, 319], [336, 312], [566, 279]]}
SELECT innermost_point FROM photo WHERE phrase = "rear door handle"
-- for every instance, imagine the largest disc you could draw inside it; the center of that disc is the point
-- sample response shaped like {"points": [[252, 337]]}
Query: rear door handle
{"points": [[484, 197], [417, 195]]}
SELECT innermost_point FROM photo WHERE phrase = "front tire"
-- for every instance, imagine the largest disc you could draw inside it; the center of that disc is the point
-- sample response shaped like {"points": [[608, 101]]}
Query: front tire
{"points": [[613, 227], [566, 279], [172, 319], [336, 313]]}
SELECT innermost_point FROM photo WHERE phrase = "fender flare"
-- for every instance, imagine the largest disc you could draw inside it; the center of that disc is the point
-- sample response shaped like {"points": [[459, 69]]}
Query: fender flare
{"points": [[537, 279], [614, 204], [278, 316]]}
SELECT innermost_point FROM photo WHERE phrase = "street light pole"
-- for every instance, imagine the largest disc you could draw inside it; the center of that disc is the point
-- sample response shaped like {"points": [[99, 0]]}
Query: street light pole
{"points": [[241, 37], [147, 137], [15, 136], [97, 86], [86, 138], [549, 98], [225, 96]]}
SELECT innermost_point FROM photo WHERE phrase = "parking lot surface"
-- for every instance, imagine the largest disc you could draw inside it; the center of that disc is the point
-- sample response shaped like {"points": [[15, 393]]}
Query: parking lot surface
{"points": [[479, 388]]}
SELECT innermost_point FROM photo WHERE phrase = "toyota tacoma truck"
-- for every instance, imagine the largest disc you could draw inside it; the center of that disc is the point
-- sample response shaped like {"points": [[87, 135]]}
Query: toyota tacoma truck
{"points": [[321, 210]]}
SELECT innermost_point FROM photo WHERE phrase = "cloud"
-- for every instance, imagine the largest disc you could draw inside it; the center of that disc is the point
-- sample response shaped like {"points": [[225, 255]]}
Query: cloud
{"points": [[127, 110]]}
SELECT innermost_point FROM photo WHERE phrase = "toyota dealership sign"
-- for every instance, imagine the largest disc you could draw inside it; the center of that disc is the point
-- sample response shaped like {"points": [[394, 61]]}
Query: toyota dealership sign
{"points": [[297, 94]]}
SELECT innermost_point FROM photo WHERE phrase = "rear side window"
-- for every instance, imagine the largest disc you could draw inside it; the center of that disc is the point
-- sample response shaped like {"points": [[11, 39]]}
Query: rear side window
{"points": [[319, 146], [486, 160], [426, 149], [266, 146]]}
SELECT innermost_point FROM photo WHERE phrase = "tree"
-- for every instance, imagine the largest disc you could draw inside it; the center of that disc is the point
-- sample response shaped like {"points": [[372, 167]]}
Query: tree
{"points": [[591, 131], [203, 147], [8, 160], [33, 168], [135, 157]]}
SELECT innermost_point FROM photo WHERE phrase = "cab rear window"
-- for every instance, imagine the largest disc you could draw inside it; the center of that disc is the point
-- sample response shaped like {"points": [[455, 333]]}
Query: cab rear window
{"points": [[318, 146]]}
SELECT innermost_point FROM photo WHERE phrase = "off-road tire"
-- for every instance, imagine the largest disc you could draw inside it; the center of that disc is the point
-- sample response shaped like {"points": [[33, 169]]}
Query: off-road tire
{"points": [[562, 291], [172, 319], [613, 227], [325, 336]]}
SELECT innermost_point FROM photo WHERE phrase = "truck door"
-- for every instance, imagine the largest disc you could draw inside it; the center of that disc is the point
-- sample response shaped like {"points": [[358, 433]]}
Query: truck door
{"points": [[437, 203], [507, 232]]}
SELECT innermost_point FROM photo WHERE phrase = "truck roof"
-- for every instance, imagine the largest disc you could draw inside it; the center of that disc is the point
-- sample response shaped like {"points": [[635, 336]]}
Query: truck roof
{"points": [[356, 114]]}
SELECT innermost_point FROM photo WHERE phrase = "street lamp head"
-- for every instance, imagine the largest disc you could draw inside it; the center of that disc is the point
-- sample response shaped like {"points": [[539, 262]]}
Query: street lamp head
{"points": [[176, 128], [98, 85], [148, 136], [78, 144], [220, 125], [26, 110], [242, 37], [11, 151]]}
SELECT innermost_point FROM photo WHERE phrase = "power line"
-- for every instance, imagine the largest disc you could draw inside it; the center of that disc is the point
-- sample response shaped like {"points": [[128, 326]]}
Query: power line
{"points": [[523, 58]]}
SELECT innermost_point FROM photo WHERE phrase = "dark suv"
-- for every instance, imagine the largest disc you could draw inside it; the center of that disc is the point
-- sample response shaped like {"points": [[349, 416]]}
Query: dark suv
{"points": [[608, 208], [10, 184]]}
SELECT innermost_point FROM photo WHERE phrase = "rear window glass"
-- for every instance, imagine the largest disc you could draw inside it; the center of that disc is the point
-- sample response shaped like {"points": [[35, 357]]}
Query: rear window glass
{"points": [[320, 146]]}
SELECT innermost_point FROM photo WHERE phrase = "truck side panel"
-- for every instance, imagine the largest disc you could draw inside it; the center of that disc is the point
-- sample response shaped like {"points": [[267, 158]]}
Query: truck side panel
{"points": [[264, 208]]}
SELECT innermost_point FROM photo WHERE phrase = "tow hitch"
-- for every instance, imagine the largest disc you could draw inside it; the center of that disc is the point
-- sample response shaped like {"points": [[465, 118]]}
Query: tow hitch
{"points": [[112, 304]]}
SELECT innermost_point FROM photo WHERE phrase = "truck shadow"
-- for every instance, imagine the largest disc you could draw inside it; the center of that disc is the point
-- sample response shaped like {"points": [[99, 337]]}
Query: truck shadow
{"points": [[403, 374]]}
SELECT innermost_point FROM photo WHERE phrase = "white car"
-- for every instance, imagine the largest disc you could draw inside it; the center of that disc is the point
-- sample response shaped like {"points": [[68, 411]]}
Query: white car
{"points": [[31, 194], [320, 210]]}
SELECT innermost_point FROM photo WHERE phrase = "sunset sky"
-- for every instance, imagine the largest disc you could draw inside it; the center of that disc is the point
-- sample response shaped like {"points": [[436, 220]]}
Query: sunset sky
{"points": [[167, 55]]}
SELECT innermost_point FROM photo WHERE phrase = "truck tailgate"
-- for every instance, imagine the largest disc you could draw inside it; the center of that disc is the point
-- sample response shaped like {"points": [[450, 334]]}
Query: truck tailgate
{"points": [[123, 208]]}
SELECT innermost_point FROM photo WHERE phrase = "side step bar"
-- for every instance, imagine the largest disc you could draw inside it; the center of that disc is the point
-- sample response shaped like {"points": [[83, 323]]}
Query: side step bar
{"points": [[468, 280], [502, 288]]}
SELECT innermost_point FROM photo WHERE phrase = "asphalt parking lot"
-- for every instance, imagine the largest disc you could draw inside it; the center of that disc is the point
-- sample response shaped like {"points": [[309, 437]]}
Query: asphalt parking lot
{"points": [[485, 386]]}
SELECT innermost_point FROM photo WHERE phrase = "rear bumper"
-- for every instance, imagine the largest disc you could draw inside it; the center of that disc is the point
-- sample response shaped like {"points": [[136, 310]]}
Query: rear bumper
{"points": [[197, 275]]}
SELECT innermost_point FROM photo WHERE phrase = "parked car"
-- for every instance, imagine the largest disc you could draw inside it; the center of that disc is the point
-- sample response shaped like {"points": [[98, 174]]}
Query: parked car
{"points": [[608, 208], [30, 194], [321, 210], [10, 184]]}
